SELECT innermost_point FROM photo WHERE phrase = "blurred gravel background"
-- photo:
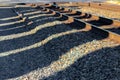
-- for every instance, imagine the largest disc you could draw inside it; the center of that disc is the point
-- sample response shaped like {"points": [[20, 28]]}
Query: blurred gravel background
{"points": [[100, 12], [48, 49]]}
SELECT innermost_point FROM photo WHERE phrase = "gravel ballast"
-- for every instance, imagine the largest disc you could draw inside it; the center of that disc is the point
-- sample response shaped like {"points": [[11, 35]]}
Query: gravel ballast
{"points": [[101, 12], [96, 11], [48, 49]]}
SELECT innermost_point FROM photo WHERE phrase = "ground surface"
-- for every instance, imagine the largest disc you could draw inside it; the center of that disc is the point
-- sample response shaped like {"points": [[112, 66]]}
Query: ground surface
{"points": [[48, 49], [94, 10], [101, 12]]}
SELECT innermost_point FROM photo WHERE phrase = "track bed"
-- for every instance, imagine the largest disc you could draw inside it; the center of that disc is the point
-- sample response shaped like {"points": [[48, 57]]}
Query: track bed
{"points": [[48, 48]]}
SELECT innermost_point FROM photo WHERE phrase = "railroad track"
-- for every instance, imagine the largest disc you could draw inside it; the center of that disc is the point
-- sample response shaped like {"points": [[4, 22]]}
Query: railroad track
{"points": [[88, 21], [108, 26], [50, 46]]}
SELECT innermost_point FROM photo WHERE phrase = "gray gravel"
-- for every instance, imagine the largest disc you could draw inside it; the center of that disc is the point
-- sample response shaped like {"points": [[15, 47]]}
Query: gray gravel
{"points": [[50, 50]]}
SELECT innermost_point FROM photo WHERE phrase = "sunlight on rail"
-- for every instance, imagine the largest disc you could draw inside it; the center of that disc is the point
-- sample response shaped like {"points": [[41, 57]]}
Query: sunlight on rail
{"points": [[39, 43], [66, 60]]}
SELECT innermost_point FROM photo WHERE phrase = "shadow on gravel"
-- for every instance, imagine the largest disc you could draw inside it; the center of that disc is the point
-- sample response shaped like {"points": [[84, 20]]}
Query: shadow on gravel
{"points": [[86, 16], [101, 22], [116, 30], [99, 65], [22, 27], [43, 33], [21, 63], [12, 25], [34, 57], [9, 19], [4, 13], [7, 16], [32, 39]]}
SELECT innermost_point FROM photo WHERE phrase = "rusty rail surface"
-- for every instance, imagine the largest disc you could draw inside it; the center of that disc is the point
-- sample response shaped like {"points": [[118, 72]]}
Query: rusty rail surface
{"points": [[95, 23]]}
